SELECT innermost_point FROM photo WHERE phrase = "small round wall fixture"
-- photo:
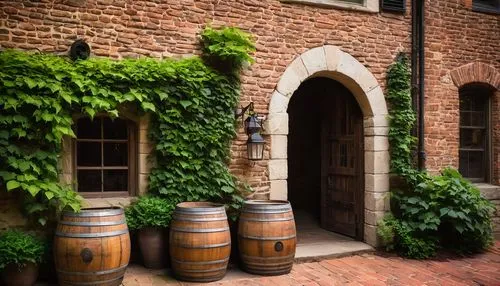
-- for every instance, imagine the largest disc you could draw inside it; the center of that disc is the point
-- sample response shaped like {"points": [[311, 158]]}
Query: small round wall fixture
{"points": [[79, 50]]}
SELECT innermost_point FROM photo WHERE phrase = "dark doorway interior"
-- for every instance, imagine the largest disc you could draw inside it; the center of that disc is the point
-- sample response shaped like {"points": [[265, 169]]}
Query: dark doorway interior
{"points": [[325, 151]]}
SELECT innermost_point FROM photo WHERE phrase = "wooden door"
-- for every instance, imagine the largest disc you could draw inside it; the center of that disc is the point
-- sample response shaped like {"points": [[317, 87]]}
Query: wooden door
{"points": [[342, 170]]}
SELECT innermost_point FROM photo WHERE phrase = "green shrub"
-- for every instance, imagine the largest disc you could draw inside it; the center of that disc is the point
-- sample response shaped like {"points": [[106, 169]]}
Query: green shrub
{"points": [[19, 248], [228, 47], [149, 211], [429, 211]]}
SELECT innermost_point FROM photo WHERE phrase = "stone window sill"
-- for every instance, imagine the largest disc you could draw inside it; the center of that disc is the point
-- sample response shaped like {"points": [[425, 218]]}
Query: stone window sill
{"points": [[107, 202], [371, 6]]}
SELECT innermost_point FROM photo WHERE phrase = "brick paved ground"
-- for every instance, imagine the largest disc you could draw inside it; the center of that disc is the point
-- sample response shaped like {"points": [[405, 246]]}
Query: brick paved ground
{"points": [[366, 269]]}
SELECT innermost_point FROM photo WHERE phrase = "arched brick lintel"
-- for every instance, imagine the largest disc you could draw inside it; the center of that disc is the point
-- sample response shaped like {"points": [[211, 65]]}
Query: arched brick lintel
{"points": [[476, 72], [329, 61]]}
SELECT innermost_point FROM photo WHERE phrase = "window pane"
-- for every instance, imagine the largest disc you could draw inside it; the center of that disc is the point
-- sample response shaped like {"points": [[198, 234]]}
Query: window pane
{"points": [[476, 164], [115, 129], [115, 180], [115, 154], [495, 4], [89, 181], [88, 154], [89, 129], [472, 138]]}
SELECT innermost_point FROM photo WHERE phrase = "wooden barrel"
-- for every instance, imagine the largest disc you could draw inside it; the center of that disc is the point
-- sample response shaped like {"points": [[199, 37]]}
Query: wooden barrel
{"points": [[267, 237], [92, 247], [200, 242]]}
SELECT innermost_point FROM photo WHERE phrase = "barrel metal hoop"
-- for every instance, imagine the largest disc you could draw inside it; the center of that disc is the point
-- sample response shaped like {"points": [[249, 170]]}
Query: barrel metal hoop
{"points": [[200, 213], [197, 230], [92, 282], [92, 235], [95, 213], [270, 258], [104, 272], [218, 209], [204, 270], [201, 262], [267, 238], [267, 220], [199, 219], [97, 223], [254, 211], [204, 246]]}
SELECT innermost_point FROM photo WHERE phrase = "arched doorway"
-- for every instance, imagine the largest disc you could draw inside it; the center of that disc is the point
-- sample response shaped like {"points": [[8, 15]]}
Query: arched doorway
{"points": [[325, 156], [331, 63]]}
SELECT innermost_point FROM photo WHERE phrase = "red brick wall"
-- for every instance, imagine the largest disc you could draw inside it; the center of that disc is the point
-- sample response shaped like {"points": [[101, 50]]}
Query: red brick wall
{"points": [[148, 28], [455, 36]]}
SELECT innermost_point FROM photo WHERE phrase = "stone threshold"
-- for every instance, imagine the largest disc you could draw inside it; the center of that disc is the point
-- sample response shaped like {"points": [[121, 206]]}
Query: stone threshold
{"points": [[314, 252]]}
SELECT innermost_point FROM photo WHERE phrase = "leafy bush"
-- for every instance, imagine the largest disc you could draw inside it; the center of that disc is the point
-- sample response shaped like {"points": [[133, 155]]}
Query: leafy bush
{"points": [[149, 211], [428, 211], [191, 106], [228, 46], [19, 248]]}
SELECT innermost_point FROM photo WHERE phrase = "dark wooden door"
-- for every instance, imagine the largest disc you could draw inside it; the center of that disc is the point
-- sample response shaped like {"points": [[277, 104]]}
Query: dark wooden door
{"points": [[342, 170]]}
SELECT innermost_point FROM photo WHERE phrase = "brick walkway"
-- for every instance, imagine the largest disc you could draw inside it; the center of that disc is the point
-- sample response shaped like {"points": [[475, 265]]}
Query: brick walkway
{"points": [[365, 269]]}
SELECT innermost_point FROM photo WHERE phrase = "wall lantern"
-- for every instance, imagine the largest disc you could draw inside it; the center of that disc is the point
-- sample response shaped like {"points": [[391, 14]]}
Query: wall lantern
{"points": [[253, 126]]}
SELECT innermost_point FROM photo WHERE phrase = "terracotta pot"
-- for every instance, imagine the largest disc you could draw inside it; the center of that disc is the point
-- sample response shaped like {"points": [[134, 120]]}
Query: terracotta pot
{"points": [[26, 276], [153, 242]]}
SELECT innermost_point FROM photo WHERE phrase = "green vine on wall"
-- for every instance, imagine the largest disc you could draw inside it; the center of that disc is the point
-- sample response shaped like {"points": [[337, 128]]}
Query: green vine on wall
{"points": [[428, 211], [191, 105]]}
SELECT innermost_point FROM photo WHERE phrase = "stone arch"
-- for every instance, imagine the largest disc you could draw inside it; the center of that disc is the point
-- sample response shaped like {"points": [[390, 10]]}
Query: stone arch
{"points": [[329, 61], [476, 72]]}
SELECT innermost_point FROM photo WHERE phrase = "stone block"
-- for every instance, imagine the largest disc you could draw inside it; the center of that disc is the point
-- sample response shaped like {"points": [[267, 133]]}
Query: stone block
{"points": [[146, 163], [377, 162], [377, 101], [373, 217], [276, 124], [376, 143], [294, 74], [352, 68], [314, 60], [279, 190], [278, 103], [143, 136], [377, 201], [376, 121], [371, 236], [143, 184], [279, 146], [278, 169], [377, 183], [333, 55]]}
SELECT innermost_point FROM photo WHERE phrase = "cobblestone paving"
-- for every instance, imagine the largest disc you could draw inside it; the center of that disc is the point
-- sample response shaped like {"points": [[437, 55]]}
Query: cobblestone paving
{"points": [[366, 269]]}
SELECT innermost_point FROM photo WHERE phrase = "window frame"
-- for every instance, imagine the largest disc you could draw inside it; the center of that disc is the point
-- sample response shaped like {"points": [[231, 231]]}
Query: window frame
{"points": [[133, 155], [487, 163], [483, 8], [371, 6]]}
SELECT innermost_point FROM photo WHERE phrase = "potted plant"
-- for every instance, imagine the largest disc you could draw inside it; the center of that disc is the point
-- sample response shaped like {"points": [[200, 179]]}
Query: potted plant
{"points": [[20, 255], [151, 216]]}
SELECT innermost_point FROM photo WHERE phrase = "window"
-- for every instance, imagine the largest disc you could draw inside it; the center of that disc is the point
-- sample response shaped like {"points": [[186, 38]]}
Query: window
{"points": [[105, 157], [488, 6], [359, 5], [474, 133]]}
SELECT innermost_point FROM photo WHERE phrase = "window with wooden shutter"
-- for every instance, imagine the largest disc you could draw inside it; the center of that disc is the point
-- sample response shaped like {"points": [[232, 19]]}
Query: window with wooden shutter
{"points": [[393, 5]]}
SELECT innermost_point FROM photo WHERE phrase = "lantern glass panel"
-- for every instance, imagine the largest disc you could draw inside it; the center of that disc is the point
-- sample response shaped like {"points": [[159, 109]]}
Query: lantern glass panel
{"points": [[255, 150]]}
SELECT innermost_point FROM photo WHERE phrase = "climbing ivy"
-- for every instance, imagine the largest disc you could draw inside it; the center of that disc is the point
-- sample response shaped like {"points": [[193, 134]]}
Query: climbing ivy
{"points": [[428, 211], [190, 103]]}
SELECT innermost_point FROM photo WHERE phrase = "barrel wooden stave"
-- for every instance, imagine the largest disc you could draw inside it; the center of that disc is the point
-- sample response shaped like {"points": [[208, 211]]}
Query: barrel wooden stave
{"points": [[91, 249], [267, 237], [200, 243]]}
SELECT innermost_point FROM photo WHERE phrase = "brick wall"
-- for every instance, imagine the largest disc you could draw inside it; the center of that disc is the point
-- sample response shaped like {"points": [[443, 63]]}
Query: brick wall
{"points": [[147, 28], [455, 36]]}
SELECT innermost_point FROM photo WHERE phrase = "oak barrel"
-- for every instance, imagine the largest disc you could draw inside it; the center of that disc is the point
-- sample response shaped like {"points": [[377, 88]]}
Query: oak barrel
{"points": [[200, 242], [92, 247], [267, 237]]}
